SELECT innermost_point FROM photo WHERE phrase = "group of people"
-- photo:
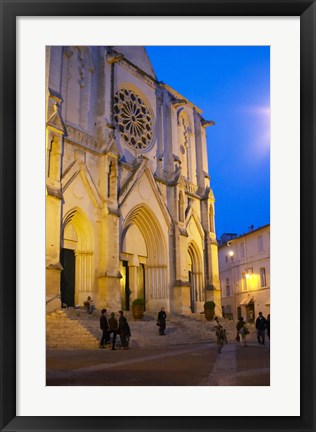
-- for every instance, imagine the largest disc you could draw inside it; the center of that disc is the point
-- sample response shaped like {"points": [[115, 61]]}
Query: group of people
{"points": [[262, 325], [121, 327], [114, 327]]}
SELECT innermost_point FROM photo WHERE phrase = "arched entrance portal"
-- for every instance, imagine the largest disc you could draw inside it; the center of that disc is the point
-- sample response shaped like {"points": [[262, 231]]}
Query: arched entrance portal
{"points": [[134, 252], [76, 259], [143, 259], [195, 278]]}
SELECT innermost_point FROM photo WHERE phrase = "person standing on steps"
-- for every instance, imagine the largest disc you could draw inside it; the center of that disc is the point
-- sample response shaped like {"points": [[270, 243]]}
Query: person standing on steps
{"points": [[161, 321], [104, 326], [242, 331], [221, 337], [124, 331], [113, 329], [261, 325]]}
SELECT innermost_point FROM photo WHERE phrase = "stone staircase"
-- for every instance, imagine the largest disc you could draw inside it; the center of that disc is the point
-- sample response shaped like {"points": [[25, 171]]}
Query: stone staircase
{"points": [[76, 329], [62, 332]]}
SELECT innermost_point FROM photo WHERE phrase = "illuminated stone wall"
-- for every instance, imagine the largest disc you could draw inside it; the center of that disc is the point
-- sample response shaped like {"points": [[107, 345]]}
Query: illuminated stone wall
{"points": [[244, 264], [128, 190]]}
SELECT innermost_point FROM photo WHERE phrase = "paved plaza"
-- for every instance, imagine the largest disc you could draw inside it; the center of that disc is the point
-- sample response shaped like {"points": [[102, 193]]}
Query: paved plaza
{"points": [[180, 365]]}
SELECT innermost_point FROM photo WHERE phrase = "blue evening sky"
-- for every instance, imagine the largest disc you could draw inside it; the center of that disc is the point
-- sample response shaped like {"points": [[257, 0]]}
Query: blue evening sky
{"points": [[232, 87]]}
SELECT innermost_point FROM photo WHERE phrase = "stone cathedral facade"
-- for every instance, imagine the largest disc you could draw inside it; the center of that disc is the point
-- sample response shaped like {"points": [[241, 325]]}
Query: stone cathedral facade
{"points": [[129, 207]]}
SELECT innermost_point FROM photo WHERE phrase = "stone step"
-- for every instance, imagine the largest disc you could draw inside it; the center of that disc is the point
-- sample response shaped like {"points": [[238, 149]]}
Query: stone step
{"points": [[65, 333], [74, 328]]}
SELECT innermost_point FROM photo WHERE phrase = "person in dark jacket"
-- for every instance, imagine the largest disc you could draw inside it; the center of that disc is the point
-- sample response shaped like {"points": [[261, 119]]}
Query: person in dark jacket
{"points": [[113, 329], [124, 331], [161, 321], [261, 325], [104, 326]]}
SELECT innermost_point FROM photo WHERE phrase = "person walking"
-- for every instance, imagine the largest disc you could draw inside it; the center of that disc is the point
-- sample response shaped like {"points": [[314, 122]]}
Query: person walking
{"points": [[124, 331], [242, 331], [261, 325], [161, 321], [104, 326], [221, 337], [113, 329]]}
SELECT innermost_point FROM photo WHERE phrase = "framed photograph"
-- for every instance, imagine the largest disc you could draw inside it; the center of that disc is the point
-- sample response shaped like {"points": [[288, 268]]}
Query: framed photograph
{"points": [[29, 399]]}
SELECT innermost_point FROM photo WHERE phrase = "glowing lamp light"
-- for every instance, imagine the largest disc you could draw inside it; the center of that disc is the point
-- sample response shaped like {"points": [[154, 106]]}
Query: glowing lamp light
{"points": [[231, 253], [248, 272]]}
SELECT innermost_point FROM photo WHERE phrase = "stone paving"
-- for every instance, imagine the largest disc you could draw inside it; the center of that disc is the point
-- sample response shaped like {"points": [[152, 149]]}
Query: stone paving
{"points": [[180, 365], [74, 357]]}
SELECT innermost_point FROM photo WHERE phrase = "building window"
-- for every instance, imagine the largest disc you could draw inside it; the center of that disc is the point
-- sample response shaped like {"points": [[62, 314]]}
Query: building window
{"points": [[227, 287], [242, 250], [133, 119], [244, 282], [226, 258], [263, 279], [260, 243]]}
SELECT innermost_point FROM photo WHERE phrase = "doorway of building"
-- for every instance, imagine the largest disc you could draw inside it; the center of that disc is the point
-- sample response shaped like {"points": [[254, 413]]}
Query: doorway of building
{"points": [[192, 297], [142, 269], [67, 278], [250, 312], [127, 290]]}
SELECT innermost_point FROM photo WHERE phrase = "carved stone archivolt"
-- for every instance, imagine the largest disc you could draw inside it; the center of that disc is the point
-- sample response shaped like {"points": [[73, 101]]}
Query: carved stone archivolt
{"points": [[133, 119]]}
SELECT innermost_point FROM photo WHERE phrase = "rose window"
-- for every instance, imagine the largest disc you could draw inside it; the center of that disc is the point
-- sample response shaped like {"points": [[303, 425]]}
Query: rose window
{"points": [[133, 119]]}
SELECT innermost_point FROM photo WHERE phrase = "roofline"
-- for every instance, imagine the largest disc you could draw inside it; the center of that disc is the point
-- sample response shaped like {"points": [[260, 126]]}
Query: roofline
{"points": [[160, 84], [180, 96], [244, 235]]}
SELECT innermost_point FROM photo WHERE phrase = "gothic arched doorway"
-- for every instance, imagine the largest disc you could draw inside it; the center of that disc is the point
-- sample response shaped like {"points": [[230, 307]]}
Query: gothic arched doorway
{"points": [[143, 254], [195, 277], [76, 258]]}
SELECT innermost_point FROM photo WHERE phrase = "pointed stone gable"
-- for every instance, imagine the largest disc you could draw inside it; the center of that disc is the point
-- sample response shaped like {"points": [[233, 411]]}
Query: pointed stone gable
{"points": [[56, 122], [69, 176], [142, 188], [138, 56]]}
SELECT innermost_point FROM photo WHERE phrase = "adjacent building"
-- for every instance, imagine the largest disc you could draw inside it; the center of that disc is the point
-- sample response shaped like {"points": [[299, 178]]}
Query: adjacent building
{"points": [[244, 263], [129, 206]]}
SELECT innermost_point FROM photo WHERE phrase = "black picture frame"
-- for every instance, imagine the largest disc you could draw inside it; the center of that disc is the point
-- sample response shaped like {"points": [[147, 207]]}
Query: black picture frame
{"points": [[9, 11]]}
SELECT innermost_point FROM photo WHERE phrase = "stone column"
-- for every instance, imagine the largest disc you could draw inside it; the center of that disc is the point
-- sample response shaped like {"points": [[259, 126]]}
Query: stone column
{"points": [[159, 133], [54, 145], [86, 70], [112, 272], [167, 136]]}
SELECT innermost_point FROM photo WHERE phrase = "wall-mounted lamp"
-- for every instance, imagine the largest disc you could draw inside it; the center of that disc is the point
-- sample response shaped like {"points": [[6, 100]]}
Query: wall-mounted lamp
{"points": [[249, 272]]}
